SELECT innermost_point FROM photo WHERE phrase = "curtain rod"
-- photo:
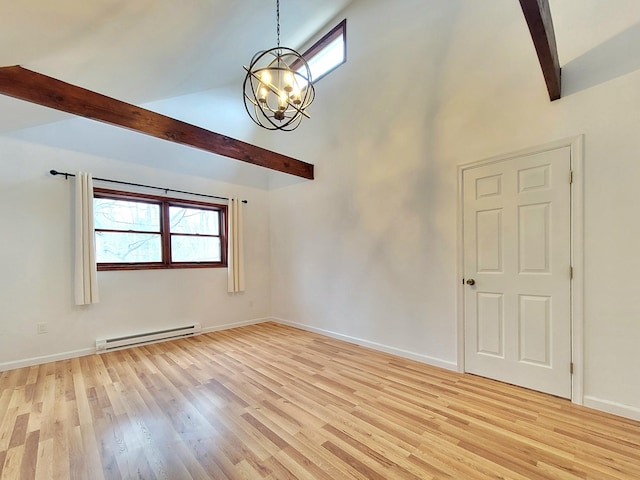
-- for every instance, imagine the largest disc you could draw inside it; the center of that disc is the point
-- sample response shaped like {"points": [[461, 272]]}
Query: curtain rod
{"points": [[67, 175]]}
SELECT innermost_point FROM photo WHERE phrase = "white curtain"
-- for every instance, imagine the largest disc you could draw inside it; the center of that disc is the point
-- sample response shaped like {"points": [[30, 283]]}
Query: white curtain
{"points": [[236, 247], [86, 278]]}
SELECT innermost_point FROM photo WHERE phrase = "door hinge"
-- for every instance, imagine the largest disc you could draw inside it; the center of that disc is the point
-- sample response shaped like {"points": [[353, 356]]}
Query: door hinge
{"points": [[571, 368], [570, 176], [571, 273]]}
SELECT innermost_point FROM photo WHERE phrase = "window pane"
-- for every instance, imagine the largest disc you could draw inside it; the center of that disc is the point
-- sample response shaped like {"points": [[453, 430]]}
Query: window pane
{"points": [[128, 247], [126, 215], [193, 220], [330, 57], [195, 249]]}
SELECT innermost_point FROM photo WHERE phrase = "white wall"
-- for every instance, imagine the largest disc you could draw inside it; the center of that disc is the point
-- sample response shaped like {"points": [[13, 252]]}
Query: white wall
{"points": [[36, 261], [368, 250]]}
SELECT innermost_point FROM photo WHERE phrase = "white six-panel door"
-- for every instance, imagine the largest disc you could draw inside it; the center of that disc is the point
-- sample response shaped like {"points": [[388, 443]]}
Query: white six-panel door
{"points": [[517, 254]]}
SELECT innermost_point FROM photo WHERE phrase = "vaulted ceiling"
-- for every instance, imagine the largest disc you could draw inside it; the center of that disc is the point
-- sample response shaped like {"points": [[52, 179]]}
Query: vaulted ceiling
{"points": [[171, 55]]}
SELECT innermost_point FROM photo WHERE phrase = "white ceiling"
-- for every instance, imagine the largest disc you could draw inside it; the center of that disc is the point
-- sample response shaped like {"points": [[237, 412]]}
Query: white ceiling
{"points": [[582, 25], [144, 50]]}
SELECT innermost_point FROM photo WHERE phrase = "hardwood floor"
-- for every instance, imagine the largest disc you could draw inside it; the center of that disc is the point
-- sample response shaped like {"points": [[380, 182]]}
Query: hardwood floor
{"points": [[272, 402]]}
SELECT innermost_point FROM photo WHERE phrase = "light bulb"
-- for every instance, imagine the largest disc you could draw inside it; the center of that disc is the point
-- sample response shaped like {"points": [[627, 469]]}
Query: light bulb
{"points": [[282, 101], [295, 95], [263, 95], [288, 81]]}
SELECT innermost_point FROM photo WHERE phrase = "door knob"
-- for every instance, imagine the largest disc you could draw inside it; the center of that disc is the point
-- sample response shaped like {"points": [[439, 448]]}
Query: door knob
{"points": [[471, 281]]}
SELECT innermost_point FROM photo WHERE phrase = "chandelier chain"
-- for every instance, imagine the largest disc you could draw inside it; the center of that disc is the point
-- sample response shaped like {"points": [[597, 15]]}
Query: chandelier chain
{"points": [[278, 20]]}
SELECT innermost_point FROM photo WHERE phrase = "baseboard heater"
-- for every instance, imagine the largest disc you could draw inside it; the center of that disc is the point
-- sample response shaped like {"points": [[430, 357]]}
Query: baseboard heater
{"points": [[115, 343]]}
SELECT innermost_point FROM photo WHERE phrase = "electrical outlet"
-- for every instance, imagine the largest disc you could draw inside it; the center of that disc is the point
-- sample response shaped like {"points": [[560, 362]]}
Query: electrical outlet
{"points": [[43, 328]]}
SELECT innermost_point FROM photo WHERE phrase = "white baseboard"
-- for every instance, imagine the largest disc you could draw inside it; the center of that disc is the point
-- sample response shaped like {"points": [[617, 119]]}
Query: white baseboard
{"points": [[436, 362], [619, 409], [29, 362]]}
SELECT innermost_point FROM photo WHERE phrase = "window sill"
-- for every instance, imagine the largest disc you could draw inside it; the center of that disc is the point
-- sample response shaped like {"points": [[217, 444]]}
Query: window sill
{"points": [[157, 266]]}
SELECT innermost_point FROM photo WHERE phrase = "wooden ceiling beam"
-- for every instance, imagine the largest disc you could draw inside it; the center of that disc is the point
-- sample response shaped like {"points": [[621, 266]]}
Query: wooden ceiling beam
{"points": [[24, 84], [538, 17]]}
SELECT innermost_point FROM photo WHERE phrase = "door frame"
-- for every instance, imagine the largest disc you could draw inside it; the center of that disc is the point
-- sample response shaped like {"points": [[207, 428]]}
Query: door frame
{"points": [[576, 146]]}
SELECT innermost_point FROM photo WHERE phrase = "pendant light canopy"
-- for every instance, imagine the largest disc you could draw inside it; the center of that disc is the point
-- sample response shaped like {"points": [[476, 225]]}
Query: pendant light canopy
{"points": [[278, 87]]}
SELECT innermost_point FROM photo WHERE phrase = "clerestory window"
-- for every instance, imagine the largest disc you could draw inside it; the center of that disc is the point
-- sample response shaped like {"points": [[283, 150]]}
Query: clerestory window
{"points": [[328, 53]]}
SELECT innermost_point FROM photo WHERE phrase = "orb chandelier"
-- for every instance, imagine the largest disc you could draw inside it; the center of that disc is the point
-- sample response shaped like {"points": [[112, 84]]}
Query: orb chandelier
{"points": [[278, 87]]}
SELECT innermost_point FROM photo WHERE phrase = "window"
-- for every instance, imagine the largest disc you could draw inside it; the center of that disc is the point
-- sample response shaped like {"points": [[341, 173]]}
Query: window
{"points": [[136, 231], [328, 53]]}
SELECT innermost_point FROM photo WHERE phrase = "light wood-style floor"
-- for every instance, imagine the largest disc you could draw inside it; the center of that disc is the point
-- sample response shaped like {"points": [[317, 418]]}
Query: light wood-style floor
{"points": [[273, 402]]}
